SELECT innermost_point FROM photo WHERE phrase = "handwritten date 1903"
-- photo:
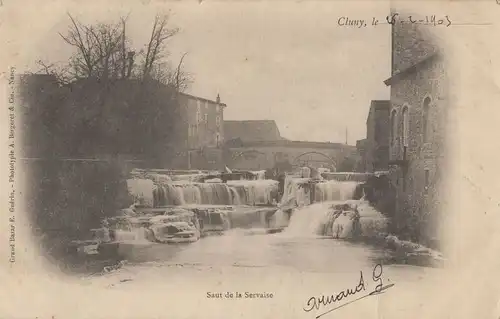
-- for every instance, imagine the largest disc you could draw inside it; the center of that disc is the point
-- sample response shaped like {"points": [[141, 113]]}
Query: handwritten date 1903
{"points": [[426, 20], [318, 302]]}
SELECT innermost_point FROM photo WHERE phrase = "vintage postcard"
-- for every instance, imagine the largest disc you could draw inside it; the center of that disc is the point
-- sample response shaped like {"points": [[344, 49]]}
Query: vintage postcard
{"points": [[250, 159]]}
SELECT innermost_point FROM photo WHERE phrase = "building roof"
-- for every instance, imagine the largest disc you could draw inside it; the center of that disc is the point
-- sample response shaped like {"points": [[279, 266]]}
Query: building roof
{"points": [[201, 99], [411, 69], [380, 104], [251, 131], [293, 144], [360, 142]]}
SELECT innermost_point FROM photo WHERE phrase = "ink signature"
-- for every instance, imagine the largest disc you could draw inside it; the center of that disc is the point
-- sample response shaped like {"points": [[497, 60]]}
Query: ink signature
{"points": [[322, 301], [426, 20]]}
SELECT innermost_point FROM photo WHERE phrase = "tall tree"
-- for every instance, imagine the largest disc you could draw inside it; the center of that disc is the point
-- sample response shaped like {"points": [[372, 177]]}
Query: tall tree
{"points": [[103, 51], [99, 49], [156, 47]]}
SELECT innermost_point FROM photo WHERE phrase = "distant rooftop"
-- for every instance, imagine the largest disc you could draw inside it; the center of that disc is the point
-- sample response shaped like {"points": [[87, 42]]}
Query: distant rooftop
{"points": [[288, 143], [380, 104], [252, 130]]}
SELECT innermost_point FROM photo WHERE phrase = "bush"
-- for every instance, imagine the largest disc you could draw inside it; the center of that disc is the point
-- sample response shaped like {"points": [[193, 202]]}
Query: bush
{"points": [[67, 199]]}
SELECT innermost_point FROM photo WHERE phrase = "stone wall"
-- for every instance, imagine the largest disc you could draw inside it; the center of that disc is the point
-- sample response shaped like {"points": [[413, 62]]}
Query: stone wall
{"points": [[265, 157], [204, 122], [418, 187]]}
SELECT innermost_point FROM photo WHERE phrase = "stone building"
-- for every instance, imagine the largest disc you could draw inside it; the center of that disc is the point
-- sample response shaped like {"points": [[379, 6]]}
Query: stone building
{"points": [[202, 131], [203, 121], [377, 137], [361, 149], [417, 140]]}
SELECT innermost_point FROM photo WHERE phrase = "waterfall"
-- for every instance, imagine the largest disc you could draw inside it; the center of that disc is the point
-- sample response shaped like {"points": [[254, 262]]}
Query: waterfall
{"points": [[236, 197], [242, 192], [308, 220], [141, 190], [334, 190], [295, 189], [324, 219], [301, 190], [257, 191], [260, 174], [137, 235], [328, 215]]}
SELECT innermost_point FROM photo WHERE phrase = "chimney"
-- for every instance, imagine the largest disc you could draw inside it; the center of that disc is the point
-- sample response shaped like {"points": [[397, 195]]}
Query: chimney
{"points": [[130, 58], [217, 99]]}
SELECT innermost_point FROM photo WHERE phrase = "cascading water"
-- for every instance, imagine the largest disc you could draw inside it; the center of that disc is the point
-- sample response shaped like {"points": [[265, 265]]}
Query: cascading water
{"points": [[334, 190], [324, 217], [260, 174], [241, 192], [296, 190], [141, 190], [255, 192], [135, 235]]}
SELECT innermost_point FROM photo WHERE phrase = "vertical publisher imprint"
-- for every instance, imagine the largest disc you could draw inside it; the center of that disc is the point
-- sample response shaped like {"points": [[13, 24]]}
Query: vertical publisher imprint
{"points": [[12, 161]]}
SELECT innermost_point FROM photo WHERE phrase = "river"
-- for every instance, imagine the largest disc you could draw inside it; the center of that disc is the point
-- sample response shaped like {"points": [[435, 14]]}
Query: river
{"points": [[291, 268]]}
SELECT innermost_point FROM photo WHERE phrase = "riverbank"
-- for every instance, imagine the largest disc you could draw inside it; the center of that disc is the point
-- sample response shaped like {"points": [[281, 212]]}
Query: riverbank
{"points": [[403, 252]]}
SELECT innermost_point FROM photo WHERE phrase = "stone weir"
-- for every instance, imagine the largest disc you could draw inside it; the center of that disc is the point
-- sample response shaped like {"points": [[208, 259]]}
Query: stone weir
{"points": [[153, 189], [376, 188]]}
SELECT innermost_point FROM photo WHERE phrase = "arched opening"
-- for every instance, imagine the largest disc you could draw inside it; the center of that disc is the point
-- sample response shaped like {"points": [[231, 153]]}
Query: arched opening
{"points": [[405, 119], [406, 126], [425, 119], [299, 160]]}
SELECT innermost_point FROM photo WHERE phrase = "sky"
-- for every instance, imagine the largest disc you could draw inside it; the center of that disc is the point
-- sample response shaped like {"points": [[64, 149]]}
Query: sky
{"points": [[286, 61]]}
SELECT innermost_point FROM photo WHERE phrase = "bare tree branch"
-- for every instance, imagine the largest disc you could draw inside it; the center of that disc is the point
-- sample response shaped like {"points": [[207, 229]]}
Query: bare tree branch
{"points": [[103, 51], [61, 74], [156, 47], [178, 73]]}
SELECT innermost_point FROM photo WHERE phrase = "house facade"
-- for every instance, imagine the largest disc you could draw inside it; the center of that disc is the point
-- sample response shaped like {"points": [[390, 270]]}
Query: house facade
{"points": [[417, 131], [202, 132], [203, 121]]}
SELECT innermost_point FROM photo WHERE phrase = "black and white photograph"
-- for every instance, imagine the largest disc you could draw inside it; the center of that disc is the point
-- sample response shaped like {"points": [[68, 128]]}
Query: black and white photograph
{"points": [[254, 159]]}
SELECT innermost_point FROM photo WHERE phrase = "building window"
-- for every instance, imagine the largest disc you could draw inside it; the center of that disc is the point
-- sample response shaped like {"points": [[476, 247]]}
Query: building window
{"points": [[198, 113], [406, 126], [217, 139], [206, 118], [427, 180], [393, 127], [217, 121], [425, 118]]}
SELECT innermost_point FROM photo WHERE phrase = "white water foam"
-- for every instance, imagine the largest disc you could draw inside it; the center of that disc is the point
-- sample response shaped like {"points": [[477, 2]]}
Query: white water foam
{"points": [[317, 220]]}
